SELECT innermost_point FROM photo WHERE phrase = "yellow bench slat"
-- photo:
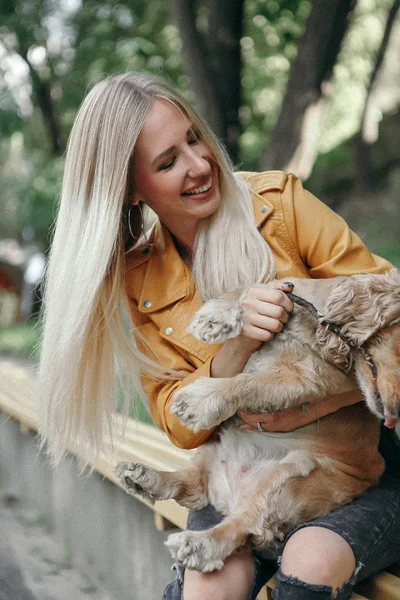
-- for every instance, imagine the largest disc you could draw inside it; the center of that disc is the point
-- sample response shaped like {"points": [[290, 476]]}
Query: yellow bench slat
{"points": [[382, 586]]}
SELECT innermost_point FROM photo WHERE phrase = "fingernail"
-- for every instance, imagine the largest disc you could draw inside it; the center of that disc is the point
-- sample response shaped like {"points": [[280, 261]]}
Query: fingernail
{"points": [[289, 284]]}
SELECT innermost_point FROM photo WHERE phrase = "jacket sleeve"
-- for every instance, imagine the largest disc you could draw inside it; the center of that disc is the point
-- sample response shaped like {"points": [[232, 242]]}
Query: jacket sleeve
{"points": [[160, 392], [324, 241]]}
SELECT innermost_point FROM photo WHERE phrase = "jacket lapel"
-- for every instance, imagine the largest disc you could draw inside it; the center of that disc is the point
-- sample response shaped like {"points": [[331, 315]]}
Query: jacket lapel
{"points": [[167, 279]]}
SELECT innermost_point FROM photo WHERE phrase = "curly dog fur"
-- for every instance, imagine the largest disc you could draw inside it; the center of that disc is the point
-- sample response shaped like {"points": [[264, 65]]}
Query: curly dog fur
{"points": [[268, 483]]}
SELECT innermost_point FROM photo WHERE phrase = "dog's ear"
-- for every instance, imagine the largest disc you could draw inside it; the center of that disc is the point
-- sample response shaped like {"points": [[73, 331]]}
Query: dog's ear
{"points": [[333, 349], [363, 304]]}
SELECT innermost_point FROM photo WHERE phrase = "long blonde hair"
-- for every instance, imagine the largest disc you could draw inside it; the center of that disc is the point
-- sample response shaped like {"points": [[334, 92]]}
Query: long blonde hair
{"points": [[87, 355]]}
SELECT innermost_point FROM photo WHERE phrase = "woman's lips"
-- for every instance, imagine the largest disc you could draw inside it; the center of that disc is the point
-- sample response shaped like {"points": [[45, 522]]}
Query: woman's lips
{"points": [[201, 189]]}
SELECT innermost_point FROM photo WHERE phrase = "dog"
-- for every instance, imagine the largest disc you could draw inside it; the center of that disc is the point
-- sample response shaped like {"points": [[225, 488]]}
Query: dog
{"points": [[343, 333]]}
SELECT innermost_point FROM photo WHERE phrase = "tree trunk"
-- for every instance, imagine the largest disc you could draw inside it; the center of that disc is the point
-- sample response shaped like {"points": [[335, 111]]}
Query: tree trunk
{"points": [[294, 139], [42, 91], [225, 62], [369, 125], [213, 63]]}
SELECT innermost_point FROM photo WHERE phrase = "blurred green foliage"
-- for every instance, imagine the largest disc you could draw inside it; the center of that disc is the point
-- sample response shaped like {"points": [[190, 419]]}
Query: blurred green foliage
{"points": [[269, 48], [57, 49], [20, 340]]}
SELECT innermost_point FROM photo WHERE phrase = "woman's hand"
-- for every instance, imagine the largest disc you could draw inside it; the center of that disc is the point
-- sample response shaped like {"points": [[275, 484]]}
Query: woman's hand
{"points": [[266, 310], [280, 422]]}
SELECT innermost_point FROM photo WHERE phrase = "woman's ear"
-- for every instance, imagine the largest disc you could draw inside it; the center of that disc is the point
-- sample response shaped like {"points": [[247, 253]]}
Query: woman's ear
{"points": [[134, 199], [132, 196]]}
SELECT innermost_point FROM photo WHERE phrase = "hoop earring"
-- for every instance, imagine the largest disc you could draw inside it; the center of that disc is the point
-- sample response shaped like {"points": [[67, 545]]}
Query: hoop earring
{"points": [[135, 237]]}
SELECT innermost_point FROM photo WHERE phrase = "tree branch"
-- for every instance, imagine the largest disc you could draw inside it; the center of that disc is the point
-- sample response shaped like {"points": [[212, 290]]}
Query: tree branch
{"points": [[42, 91], [312, 69], [184, 14], [364, 167]]}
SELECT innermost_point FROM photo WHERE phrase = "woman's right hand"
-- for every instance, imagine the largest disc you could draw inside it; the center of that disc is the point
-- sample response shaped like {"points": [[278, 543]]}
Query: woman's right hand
{"points": [[266, 311]]}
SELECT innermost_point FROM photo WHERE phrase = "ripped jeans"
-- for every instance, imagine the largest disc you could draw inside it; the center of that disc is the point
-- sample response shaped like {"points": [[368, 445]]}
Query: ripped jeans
{"points": [[370, 524]]}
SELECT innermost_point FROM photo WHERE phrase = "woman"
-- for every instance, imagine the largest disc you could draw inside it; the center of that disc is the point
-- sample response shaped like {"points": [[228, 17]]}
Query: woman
{"points": [[136, 144]]}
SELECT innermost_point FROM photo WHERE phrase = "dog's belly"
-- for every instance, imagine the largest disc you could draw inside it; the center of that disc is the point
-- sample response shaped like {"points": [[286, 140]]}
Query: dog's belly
{"points": [[238, 461]]}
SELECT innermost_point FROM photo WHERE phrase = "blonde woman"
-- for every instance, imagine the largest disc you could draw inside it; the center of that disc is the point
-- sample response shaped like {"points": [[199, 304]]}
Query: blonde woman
{"points": [[137, 145]]}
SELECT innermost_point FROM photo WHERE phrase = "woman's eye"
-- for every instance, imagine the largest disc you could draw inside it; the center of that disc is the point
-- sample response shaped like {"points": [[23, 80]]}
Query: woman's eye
{"points": [[195, 137], [167, 165]]}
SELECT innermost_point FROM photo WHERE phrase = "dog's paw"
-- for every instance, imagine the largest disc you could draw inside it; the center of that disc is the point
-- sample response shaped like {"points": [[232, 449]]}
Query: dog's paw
{"points": [[137, 479], [217, 321], [201, 405], [195, 551]]}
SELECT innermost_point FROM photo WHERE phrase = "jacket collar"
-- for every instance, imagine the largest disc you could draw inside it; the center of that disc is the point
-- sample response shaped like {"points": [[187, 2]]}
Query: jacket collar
{"points": [[165, 265], [164, 268]]}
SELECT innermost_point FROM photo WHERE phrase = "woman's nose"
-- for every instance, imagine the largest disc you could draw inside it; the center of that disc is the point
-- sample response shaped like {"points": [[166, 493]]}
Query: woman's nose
{"points": [[198, 164]]}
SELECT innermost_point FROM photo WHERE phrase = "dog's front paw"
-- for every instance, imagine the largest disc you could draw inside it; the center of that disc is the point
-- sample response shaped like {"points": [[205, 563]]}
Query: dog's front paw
{"points": [[202, 404], [195, 551], [137, 479], [217, 321]]}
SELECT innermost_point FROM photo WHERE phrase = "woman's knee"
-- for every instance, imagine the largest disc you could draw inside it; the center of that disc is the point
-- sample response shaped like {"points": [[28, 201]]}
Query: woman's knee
{"points": [[233, 582], [318, 556]]}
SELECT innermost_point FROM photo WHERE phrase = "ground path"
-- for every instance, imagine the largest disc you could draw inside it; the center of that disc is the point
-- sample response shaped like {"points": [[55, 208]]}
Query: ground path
{"points": [[33, 563]]}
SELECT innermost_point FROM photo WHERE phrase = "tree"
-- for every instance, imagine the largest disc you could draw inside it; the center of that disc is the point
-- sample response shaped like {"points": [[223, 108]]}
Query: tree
{"points": [[24, 25], [293, 141], [212, 58], [363, 158], [59, 54]]}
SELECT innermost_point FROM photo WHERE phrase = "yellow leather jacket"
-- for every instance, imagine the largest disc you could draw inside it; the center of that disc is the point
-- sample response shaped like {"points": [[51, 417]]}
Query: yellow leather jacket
{"points": [[307, 239]]}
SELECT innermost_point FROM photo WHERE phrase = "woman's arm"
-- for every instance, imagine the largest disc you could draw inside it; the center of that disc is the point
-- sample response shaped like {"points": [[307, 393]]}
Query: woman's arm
{"points": [[322, 239], [265, 313], [325, 243], [288, 420]]}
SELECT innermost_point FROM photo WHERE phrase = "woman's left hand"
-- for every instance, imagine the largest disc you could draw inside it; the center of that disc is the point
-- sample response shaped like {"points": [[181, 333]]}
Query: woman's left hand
{"points": [[290, 419], [283, 422]]}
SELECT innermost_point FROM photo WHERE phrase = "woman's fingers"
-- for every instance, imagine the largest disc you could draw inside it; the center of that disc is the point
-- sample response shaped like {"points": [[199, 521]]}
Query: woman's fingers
{"points": [[284, 421], [262, 299], [255, 321], [266, 311]]}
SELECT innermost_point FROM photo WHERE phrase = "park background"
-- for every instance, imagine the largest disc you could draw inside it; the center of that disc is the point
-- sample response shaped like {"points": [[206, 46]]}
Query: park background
{"points": [[312, 87]]}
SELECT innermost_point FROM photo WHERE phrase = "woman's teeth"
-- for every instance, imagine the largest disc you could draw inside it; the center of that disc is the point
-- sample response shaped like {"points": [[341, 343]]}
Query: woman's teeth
{"points": [[199, 190]]}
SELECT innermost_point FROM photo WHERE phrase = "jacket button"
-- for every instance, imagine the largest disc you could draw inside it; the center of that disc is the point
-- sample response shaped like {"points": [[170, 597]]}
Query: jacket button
{"points": [[264, 209], [147, 303], [169, 330]]}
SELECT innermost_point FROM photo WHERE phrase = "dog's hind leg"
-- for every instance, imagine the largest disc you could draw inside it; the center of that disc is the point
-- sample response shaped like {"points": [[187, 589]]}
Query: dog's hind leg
{"points": [[207, 550], [188, 487]]}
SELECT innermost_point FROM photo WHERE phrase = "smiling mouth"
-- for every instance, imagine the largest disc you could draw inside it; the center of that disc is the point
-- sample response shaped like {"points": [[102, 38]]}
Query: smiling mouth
{"points": [[199, 190]]}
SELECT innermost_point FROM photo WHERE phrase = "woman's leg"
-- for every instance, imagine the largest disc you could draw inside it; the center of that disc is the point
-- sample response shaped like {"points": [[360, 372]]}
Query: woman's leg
{"points": [[315, 562], [347, 545], [234, 582], [241, 578]]}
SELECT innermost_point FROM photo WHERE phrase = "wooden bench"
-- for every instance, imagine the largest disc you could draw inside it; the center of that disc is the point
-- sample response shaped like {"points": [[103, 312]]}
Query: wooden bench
{"points": [[144, 443]]}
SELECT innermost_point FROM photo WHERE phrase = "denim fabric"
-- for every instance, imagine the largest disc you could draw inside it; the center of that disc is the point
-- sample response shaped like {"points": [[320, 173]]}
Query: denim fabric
{"points": [[198, 520], [370, 524], [290, 588]]}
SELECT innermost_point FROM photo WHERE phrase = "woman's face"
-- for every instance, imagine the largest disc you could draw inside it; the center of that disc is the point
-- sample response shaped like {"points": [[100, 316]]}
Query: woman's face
{"points": [[174, 171]]}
